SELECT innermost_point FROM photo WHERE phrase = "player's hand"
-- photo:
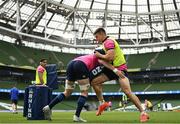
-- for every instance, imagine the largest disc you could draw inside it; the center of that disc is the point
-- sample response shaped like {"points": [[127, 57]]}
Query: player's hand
{"points": [[120, 74], [98, 55]]}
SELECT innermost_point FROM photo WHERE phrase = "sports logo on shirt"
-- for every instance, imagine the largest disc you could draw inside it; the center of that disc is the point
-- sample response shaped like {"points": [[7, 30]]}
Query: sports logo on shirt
{"points": [[97, 70]]}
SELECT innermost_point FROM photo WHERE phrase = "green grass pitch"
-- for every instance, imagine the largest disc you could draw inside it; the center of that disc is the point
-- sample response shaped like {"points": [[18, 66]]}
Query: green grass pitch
{"points": [[106, 117]]}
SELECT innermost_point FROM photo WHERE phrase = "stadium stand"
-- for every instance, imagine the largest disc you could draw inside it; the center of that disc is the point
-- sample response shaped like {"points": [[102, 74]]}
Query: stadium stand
{"points": [[167, 58], [12, 54], [154, 60], [139, 60]]}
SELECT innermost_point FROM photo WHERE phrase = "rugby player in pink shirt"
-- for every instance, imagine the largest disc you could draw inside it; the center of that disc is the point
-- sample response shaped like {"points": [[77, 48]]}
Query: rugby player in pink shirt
{"points": [[78, 70], [114, 55]]}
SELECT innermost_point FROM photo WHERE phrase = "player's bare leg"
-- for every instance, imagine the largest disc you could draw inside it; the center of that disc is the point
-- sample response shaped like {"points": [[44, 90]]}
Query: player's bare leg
{"points": [[125, 86], [98, 90], [97, 86], [16, 109], [13, 107]]}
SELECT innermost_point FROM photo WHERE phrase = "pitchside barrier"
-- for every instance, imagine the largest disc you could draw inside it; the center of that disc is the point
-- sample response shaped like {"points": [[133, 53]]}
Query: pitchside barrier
{"points": [[35, 98]]}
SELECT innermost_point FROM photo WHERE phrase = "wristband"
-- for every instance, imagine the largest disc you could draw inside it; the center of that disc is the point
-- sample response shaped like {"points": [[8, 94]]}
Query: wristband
{"points": [[115, 70]]}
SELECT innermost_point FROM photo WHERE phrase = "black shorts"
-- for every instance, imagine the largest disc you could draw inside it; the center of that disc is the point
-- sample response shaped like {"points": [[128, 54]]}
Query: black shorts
{"points": [[111, 75], [77, 70], [15, 101], [95, 72]]}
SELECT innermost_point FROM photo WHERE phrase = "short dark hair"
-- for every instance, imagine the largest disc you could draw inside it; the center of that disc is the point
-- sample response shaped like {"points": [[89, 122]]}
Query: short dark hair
{"points": [[43, 60], [99, 30]]}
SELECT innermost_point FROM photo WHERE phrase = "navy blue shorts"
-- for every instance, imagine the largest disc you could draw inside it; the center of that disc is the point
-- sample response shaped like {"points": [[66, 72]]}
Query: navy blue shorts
{"points": [[15, 101], [77, 70]]}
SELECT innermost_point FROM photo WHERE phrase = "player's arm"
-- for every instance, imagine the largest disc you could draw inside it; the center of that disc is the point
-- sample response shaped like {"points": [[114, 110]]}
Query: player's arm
{"points": [[108, 65], [41, 77], [109, 45], [109, 56]]}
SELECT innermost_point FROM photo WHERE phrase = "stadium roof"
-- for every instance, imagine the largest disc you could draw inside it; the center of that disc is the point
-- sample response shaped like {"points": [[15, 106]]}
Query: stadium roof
{"points": [[70, 23]]}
